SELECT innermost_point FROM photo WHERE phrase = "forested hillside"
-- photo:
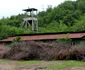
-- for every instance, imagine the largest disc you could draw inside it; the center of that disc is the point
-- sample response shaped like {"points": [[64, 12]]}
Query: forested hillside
{"points": [[68, 16]]}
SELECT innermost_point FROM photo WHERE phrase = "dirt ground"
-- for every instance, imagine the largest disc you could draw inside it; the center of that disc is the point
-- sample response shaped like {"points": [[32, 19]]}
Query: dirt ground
{"points": [[11, 65], [75, 68]]}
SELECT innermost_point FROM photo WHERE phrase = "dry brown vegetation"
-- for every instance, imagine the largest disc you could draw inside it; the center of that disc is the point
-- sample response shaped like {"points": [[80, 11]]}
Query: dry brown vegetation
{"points": [[3, 50], [73, 53], [32, 50], [43, 51]]}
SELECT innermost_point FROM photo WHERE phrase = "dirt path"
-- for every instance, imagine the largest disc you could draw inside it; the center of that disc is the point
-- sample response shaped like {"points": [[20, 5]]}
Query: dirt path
{"points": [[7, 66], [40, 66], [75, 68], [11, 65]]}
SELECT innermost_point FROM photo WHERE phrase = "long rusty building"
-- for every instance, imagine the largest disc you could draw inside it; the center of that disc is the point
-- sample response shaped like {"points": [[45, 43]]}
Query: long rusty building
{"points": [[79, 37]]}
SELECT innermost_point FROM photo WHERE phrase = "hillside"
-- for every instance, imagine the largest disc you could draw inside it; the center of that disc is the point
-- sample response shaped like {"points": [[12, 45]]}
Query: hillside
{"points": [[68, 16]]}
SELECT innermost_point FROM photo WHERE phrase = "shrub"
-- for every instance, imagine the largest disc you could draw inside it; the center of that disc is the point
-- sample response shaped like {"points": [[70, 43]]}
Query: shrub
{"points": [[17, 39], [64, 41]]}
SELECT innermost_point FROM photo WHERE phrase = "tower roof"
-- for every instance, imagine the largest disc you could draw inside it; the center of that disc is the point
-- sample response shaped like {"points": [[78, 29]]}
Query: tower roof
{"points": [[30, 9]]}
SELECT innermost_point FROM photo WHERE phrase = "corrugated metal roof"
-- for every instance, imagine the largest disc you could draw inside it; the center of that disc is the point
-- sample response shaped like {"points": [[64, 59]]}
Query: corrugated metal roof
{"points": [[46, 36], [30, 9]]}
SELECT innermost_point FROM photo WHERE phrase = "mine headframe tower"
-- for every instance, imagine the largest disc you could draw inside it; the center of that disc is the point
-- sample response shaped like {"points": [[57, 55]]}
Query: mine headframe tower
{"points": [[31, 20]]}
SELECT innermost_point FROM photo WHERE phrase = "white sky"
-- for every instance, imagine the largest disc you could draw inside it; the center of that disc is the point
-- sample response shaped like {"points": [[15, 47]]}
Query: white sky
{"points": [[14, 7]]}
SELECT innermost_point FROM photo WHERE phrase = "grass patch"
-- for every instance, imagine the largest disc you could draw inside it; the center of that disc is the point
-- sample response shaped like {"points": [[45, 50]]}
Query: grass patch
{"points": [[1, 60], [64, 64], [28, 62]]}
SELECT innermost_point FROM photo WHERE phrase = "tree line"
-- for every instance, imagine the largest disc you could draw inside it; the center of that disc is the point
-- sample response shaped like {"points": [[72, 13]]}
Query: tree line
{"points": [[68, 16]]}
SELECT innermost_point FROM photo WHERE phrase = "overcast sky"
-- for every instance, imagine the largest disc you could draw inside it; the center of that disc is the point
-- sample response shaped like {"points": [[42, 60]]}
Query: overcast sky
{"points": [[14, 7]]}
